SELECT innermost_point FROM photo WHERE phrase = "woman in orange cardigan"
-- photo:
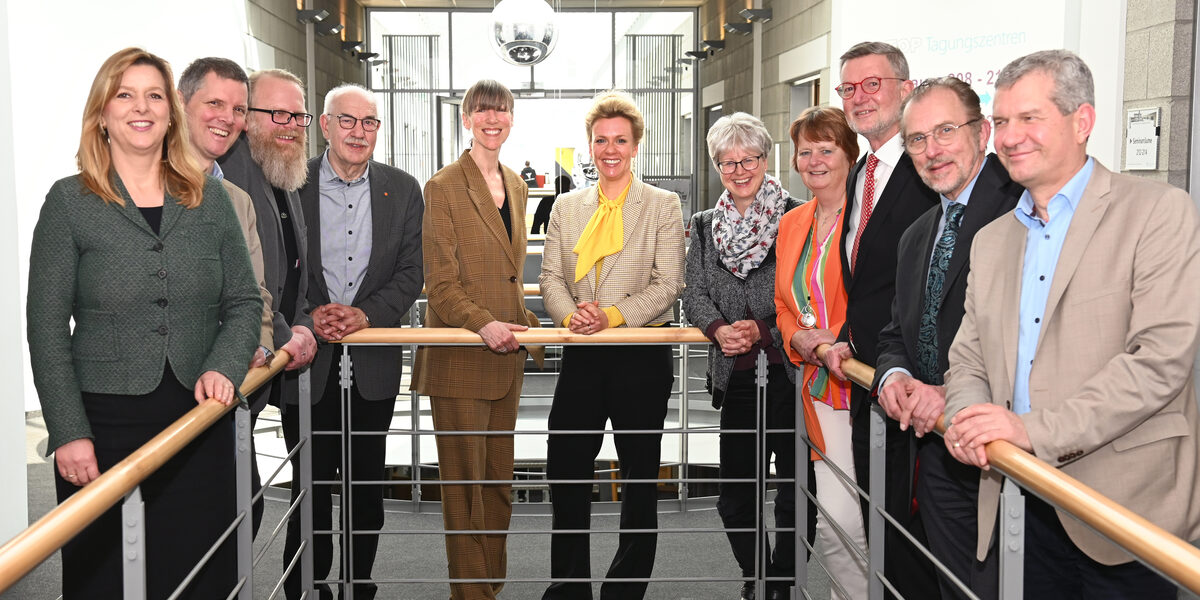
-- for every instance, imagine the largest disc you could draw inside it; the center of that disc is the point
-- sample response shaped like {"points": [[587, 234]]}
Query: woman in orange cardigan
{"points": [[810, 303]]}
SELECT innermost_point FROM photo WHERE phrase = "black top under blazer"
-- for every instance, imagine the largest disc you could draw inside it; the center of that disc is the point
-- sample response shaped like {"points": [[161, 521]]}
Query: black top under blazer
{"points": [[394, 274], [869, 292], [994, 195], [714, 293], [185, 296]]}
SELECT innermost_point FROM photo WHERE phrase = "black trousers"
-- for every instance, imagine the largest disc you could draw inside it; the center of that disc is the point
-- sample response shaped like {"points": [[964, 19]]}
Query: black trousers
{"points": [[366, 464], [189, 501], [629, 385], [1055, 569], [737, 504], [904, 566], [948, 496]]}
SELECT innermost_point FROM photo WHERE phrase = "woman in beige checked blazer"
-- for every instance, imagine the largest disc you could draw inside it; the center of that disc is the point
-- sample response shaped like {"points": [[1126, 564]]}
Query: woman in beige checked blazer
{"points": [[474, 248], [613, 257]]}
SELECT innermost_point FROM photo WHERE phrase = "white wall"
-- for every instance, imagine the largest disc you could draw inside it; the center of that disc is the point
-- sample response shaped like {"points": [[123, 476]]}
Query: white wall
{"points": [[13, 505], [48, 58], [972, 38]]}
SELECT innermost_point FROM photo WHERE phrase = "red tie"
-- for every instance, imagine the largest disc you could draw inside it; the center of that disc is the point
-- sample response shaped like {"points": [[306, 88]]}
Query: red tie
{"points": [[868, 203]]}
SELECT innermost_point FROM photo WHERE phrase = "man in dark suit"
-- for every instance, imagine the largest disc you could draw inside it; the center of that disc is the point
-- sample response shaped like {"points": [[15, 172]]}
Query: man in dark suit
{"points": [[883, 197], [946, 135], [364, 244]]}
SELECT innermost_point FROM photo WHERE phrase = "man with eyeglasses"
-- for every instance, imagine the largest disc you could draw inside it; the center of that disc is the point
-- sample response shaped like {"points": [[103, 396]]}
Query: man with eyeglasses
{"points": [[263, 162], [884, 196], [364, 226], [944, 132]]}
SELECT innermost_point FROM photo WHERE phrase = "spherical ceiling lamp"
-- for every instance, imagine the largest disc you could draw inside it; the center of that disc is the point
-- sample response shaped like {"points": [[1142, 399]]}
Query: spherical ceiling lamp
{"points": [[524, 32]]}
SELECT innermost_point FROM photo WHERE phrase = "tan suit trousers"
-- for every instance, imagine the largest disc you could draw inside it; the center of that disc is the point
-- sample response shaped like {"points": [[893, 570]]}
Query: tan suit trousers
{"points": [[474, 506]]}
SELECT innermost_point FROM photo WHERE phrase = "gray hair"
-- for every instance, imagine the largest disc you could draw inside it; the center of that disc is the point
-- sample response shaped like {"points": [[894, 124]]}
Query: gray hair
{"points": [[739, 130], [348, 88], [893, 54], [194, 74], [1073, 85], [963, 91]]}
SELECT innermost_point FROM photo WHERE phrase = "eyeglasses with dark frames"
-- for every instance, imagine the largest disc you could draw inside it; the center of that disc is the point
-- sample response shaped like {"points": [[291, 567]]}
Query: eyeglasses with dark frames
{"points": [[348, 122], [870, 85], [942, 134], [749, 164], [282, 117]]}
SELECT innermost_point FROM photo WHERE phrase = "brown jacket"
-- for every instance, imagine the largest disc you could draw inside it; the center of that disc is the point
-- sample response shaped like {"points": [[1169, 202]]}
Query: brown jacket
{"points": [[473, 276], [243, 207], [1112, 391]]}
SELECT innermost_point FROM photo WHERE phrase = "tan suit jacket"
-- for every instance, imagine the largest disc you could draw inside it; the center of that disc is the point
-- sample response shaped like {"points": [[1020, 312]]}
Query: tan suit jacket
{"points": [[1111, 389], [643, 280], [473, 276], [243, 206]]}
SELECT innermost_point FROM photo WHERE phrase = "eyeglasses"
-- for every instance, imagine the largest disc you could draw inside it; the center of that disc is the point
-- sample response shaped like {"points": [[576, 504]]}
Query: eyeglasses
{"points": [[749, 164], [282, 117], [348, 122], [942, 134], [869, 85]]}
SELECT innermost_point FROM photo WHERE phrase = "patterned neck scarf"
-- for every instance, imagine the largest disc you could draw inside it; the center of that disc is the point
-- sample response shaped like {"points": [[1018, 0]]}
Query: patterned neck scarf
{"points": [[604, 233], [744, 241]]}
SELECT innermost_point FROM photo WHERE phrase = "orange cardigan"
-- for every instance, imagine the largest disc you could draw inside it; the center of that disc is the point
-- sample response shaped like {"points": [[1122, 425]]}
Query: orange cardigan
{"points": [[793, 232]]}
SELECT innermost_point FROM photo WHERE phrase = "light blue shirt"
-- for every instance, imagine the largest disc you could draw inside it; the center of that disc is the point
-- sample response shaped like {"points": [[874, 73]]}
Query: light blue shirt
{"points": [[216, 171], [346, 231], [1043, 244], [962, 199]]}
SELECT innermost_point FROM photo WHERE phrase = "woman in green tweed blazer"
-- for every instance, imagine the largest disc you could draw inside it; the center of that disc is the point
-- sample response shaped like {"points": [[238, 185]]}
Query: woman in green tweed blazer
{"points": [[145, 255]]}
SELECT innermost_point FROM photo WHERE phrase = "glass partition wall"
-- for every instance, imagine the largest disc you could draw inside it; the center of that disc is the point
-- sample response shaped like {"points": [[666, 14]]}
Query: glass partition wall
{"points": [[433, 56]]}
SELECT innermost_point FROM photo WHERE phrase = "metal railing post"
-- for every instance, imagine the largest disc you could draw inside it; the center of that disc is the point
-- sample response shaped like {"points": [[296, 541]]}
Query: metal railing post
{"points": [[306, 482], [133, 545], [414, 422], [760, 475], [801, 460], [345, 381], [875, 489], [245, 493], [683, 425], [1011, 542]]}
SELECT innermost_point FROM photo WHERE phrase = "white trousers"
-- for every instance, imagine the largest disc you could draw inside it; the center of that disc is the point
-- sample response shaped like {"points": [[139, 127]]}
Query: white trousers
{"points": [[842, 503]]}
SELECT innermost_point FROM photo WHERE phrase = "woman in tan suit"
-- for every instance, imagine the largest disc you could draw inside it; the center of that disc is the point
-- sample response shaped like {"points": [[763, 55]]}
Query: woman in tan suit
{"points": [[613, 257], [474, 247]]}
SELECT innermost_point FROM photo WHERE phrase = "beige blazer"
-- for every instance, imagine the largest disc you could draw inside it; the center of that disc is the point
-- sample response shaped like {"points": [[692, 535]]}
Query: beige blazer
{"points": [[1113, 402], [473, 276], [243, 206], [643, 280]]}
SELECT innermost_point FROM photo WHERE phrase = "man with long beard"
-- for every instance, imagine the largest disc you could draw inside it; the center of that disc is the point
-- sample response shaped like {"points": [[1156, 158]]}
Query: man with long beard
{"points": [[268, 162]]}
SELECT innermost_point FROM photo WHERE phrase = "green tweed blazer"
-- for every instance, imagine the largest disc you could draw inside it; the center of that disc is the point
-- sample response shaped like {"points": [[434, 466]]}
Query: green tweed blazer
{"points": [[186, 296]]}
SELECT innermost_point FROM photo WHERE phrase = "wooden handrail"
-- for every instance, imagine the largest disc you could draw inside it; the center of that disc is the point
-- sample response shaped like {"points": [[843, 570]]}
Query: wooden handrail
{"points": [[534, 336], [1158, 548], [1169, 554], [28, 549]]}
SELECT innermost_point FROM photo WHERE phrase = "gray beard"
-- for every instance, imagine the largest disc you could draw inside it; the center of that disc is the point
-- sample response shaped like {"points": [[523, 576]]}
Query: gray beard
{"points": [[288, 173]]}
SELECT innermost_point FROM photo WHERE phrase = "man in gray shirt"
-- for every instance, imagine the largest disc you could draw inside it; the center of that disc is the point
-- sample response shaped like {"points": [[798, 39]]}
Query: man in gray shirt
{"points": [[364, 241]]}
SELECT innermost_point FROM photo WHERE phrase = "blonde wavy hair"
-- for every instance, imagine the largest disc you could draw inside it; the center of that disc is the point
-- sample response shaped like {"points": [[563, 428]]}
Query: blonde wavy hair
{"points": [[182, 174]]}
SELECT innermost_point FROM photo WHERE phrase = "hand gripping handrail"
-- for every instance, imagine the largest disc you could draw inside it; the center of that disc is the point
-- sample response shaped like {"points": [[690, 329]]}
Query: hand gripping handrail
{"points": [[1170, 555], [28, 549]]}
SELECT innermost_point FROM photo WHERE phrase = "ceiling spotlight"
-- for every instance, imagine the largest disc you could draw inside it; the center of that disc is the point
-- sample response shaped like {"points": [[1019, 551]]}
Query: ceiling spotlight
{"points": [[310, 16], [366, 56], [742, 28], [685, 61], [756, 15], [375, 62], [713, 44], [337, 28], [351, 46], [696, 54]]}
